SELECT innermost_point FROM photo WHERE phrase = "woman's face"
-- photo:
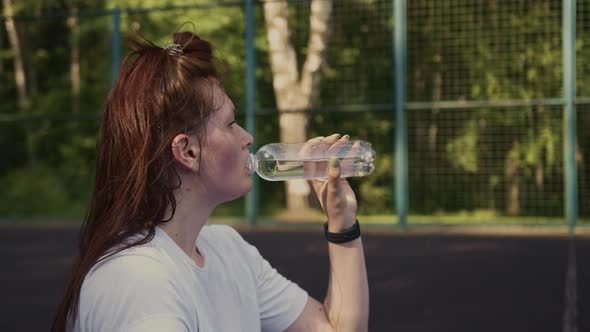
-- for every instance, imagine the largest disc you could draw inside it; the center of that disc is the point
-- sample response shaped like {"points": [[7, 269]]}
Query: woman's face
{"points": [[223, 168]]}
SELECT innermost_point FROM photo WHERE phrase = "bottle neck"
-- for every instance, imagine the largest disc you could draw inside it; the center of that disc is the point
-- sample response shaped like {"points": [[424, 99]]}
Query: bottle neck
{"points": [[252, 163]]}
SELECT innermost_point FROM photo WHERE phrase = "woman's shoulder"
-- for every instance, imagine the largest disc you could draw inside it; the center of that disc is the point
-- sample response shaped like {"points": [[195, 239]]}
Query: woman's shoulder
{"points": [[220, 230], [134, 283], [222, 236], [132, 266], [230, 244], [144, 261], [136, 275]]}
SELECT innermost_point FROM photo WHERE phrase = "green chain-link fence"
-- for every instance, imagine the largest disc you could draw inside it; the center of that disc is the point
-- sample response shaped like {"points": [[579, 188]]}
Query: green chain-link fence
{"points": [[484, 102]]}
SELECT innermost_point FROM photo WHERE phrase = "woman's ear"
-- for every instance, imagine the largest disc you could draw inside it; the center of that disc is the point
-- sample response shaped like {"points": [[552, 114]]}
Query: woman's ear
{"points": [[186, 151]]}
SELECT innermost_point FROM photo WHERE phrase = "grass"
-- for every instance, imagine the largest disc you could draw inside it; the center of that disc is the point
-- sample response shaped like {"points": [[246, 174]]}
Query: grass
{"points": [[472, 219], [463, 218]]}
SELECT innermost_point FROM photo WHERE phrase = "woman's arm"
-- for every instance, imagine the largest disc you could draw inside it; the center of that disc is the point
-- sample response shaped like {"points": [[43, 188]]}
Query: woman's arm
{"points": [[346, 306]]}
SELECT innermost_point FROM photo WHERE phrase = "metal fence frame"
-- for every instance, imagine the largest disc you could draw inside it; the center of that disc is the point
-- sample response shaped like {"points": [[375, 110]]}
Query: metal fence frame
{"points": [[398, 108]]}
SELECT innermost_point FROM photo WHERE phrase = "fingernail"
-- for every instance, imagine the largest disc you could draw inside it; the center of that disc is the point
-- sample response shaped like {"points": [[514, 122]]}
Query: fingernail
{"points": [[337, 135], [334, 162], [346, 136]]}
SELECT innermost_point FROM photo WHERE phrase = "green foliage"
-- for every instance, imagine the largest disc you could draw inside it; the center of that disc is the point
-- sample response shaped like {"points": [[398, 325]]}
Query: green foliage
{"points": [[375, 192], [462, 150], [460, 159], [40, 192]]}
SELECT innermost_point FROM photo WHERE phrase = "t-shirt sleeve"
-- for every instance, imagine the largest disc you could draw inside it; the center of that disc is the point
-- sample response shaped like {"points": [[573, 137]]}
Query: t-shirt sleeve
{"points": [[280, 300]]}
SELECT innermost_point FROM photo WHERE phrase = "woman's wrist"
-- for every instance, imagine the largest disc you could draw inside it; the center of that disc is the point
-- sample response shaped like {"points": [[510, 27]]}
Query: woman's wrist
{"points": [[346, 235], [340, 224]]}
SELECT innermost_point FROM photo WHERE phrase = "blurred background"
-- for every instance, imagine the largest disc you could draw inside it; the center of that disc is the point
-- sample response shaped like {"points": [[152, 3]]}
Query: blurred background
{"points": [[483, 106]]}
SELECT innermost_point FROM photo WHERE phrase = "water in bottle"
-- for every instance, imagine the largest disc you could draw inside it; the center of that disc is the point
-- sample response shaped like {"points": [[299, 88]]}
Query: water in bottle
{"points": [[310, 160]]}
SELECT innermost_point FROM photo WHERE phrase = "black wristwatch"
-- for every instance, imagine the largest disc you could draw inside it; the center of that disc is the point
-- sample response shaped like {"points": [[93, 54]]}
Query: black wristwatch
{"points": [[346, 235]]}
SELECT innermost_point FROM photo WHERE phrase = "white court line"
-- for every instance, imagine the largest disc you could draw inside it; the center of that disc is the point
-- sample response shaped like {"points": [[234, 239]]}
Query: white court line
{"points": [[570, 313]]}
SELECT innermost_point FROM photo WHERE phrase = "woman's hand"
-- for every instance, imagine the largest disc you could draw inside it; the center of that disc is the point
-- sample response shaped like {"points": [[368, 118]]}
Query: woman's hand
{"points": [[335, 195]]}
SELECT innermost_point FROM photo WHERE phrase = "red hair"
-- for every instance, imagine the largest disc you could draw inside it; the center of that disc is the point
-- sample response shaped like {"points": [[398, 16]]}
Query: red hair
{"points": [[156, 96]]}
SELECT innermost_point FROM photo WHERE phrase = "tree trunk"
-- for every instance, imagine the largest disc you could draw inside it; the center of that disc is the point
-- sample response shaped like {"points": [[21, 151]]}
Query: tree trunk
{"points": [[538, 120], [74, 26], [19, 77], [436, 97], [293, 127], [539, 176], [582, 157], [295, 96], [1, 49], [513, 186]]}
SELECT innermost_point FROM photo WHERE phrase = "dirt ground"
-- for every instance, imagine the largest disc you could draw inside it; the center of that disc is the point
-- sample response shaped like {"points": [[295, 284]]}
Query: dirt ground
{"points": [[421, 282]]}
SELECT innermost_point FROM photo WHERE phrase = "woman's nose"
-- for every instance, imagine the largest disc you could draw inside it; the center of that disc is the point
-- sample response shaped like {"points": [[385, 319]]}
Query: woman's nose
{"points": [[249, 139]]}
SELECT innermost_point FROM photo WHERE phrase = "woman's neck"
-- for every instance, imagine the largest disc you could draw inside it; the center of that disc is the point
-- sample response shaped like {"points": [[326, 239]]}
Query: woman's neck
{"points": [[189, 218]]}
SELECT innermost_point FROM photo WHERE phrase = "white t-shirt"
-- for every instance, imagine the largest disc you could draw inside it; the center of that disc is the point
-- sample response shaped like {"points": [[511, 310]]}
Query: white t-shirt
{"points": [[157, 287]]}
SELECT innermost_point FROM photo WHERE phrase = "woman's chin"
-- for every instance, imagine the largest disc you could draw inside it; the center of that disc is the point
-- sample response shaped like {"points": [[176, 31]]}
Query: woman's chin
{"points": [[248, 186], [244, 189]]}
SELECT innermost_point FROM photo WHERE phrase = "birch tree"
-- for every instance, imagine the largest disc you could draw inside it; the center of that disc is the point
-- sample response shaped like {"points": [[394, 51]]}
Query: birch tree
{"points": [[73, 23], [296, 90], [19, 75]]}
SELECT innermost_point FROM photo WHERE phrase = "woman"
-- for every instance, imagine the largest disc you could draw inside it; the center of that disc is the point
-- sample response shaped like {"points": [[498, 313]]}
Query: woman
{"points": [[169, 152]]}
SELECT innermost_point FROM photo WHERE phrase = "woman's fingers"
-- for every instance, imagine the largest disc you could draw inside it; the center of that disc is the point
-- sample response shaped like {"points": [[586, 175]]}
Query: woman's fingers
{"points": [[336, 148], [309, 146], [320, 143], [310, 150], [315, 148], [320, 149], [331, 139]]}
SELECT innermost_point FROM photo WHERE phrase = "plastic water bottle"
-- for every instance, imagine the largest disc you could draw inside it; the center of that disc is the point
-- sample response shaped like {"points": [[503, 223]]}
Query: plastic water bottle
{"points": [[280, 162]]}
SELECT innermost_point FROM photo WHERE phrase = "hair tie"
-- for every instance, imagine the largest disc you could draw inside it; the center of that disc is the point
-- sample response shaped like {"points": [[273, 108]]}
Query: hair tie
{"points": [[173, 49]]}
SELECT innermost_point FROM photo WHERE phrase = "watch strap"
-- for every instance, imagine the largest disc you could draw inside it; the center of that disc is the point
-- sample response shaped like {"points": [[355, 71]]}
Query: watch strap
{"points": [[347, 235]]}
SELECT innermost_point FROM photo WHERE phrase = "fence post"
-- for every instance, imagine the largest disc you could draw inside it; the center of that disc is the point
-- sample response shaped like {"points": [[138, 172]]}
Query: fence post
{"points": [[401, 142], [115, 44], [252, 197], [569, 123]]}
